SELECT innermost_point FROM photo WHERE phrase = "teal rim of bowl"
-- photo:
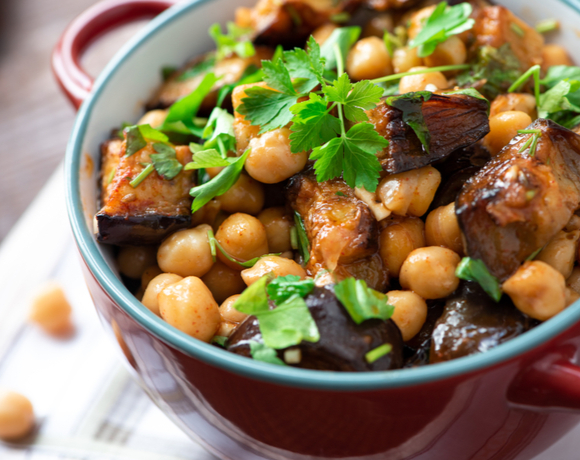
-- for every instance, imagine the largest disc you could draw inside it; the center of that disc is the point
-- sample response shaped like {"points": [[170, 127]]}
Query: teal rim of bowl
{"points": [[320, 380]]}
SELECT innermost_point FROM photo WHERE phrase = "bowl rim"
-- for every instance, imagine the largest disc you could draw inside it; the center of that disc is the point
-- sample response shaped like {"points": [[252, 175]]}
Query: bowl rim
{"points": [[289, 376]]}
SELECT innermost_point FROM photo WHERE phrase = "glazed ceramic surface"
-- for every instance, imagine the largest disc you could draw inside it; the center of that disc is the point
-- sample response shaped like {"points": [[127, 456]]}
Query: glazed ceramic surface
{"points": [[509, 403]]}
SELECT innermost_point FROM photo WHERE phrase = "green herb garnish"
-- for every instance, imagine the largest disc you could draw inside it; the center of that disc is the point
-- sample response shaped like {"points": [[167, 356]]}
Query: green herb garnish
{"points": [[443, 23], [235, 41], [475, 270], [138, 135], [343, 38], [517, 29], [165, 161], [362, 302], [220, 340], [214, 243], [411, 104], [251, 75], [378, 353], [558, 73], [547, 25], [286, 325], [142, 176], [534, 72], [200, 68], [303, 243], [532, 142], [284, 287], [261, 352], [219, 185]]}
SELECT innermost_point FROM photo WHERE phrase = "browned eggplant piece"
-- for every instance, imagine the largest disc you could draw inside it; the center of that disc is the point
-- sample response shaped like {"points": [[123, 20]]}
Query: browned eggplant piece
{"points": [[417, 349], [341, 229], [229, 69], [146, 214], [473, 322], [290, 22], [384, 5], [518, 202], [457, 170], [497, 26], [343, 343], [454, 122]]}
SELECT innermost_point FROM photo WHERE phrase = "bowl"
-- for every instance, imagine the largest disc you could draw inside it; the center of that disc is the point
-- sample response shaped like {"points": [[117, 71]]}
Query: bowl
{"points": [[509, 403]]}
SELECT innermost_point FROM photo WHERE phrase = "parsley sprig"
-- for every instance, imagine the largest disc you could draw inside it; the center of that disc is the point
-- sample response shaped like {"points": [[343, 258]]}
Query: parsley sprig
{"points": [[362, 302], [475, 270], [443, 23]]}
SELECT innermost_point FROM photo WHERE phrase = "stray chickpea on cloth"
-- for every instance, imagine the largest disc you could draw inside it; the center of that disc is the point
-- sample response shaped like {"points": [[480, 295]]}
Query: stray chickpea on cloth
{"points": [[51, 310], [16, 415]]}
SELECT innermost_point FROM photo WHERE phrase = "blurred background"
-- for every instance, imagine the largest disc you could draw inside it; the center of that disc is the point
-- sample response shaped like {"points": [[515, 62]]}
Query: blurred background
{"points": [[35, 118]]}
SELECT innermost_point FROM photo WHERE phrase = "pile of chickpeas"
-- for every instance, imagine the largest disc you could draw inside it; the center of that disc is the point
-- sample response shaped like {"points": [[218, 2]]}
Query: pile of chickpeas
{"points": [[181, 282]]}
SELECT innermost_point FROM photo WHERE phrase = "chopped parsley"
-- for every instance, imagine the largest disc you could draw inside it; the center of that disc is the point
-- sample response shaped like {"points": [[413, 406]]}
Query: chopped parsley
{"points": [[303, 245], [475, 270], [547, 25], [236, 40], [261, 352], [165, 161], [532, 142], [443, 23], [142, 176], [284, 287], [284, 326], [378, 353], [214, 243], [362, 302]]}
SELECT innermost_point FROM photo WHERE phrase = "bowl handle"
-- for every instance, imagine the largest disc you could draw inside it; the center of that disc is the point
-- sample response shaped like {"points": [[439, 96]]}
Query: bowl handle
{"points": [[552, 382], [98, 19]]}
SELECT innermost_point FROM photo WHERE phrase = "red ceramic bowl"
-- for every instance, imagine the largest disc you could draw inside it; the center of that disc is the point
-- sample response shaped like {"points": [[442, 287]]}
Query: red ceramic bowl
{"points": [[509, 403]]}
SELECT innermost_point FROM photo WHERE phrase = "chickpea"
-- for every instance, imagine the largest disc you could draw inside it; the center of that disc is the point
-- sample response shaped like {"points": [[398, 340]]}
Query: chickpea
{"points": [[404, 59], [157, 284], [554, 55], [573, 280], [410, 312], [278, 227], [16, 415], [270, 160], [430, 272], [537, 290], [223, 281], [323, 33], [189, 306], [134, 260], [571, 296], [51, 310], [186, 252], [378, 25], [369, 59], [229, 313], [397, 241], [419, 82], [154, 118], [279, 266], [149, 274], [560, 253], [207, 214], [409, 193], [226, 328], [573, 224], [514, 102], [246, 195], [451, 52], [442, 229], [503, 127], [243, 237]]}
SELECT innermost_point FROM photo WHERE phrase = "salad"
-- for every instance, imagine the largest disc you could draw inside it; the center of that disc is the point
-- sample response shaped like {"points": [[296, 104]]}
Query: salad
{"points": [[354, 185]]}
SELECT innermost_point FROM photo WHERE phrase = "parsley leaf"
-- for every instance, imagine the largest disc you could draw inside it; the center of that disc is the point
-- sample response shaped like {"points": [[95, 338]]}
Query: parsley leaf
{"points": [[138, 135], [561, 103], [353, 156], [475, 270], [200, 68], [442, 24], [411, 104], [284, 287], [261, 352], [235, 41], [165, 161], [362, 302], [288, 324], [560, 72], [266, 108], [354, 98], [312, 124], [219, 131], [303, 243], [306, 65], [254, 299], [182, 112], [277, 76], [219, 185], [251, 75], [210, 158]]}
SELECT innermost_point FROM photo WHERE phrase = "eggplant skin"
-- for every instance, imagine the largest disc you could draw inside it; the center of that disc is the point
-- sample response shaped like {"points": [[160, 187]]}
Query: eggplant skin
{"points": [[453, 121], [473, 323], [148, 213], [343, 344], [517, 203]]}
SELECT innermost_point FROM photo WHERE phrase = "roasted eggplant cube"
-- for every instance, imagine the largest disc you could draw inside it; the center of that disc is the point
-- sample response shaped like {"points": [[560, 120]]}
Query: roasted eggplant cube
{"points": [[454, 122], [518, 202], [343, 344], [147, 213]]}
